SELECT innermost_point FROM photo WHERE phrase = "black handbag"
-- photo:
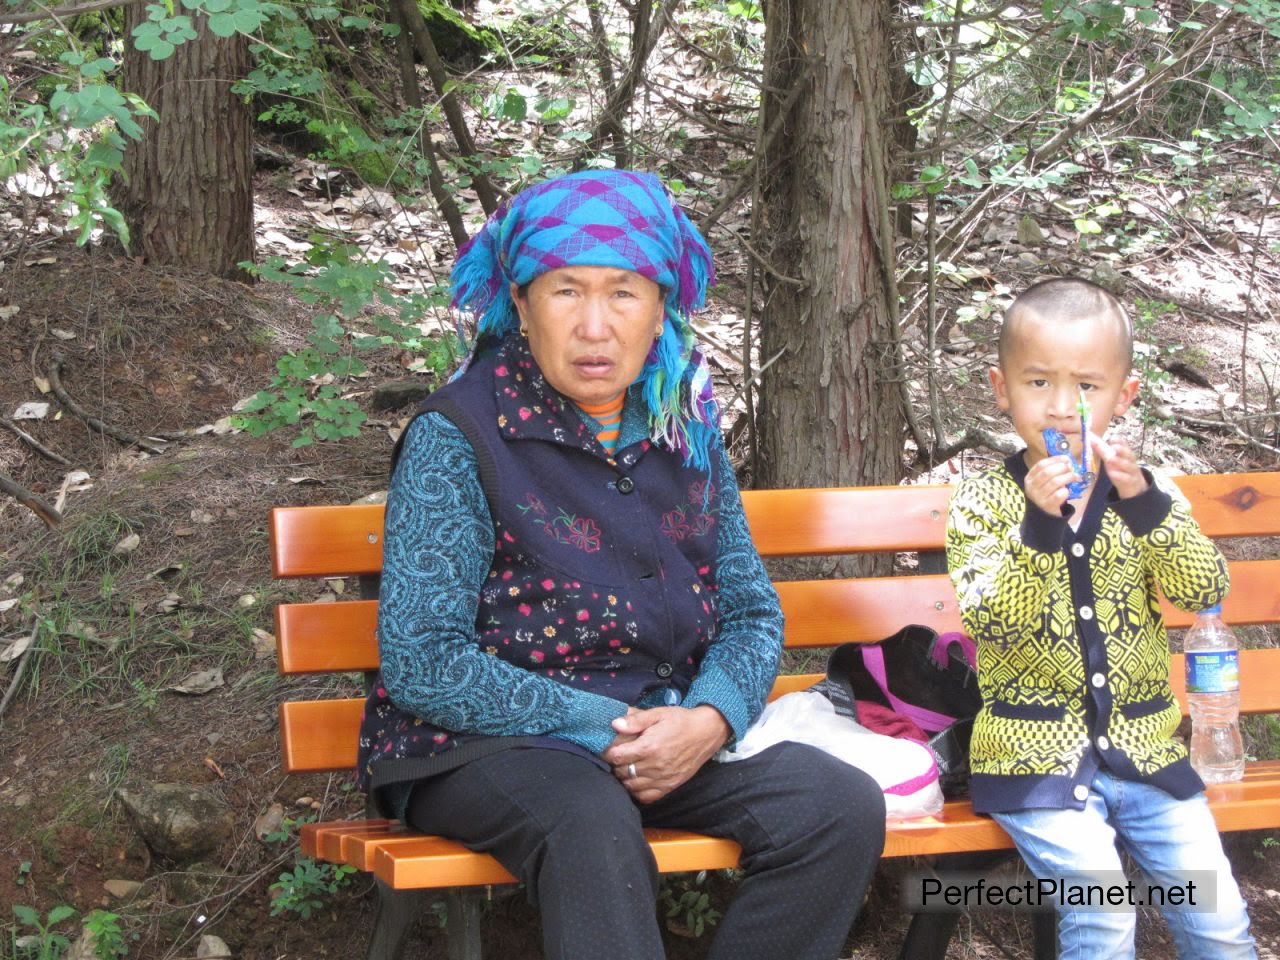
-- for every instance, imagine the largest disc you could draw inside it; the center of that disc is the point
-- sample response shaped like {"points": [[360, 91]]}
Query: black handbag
{"points": [[928, 678]]}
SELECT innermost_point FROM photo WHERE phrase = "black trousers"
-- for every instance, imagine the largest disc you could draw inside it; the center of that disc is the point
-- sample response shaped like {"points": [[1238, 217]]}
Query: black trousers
{"points": [[811, 830]]}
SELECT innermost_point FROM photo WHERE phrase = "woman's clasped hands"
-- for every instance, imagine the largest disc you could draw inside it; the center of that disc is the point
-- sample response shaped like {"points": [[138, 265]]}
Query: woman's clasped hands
{"points": [[658, 749]]}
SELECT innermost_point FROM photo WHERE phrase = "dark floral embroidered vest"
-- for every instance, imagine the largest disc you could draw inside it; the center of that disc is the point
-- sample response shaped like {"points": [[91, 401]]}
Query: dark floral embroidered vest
{"points": [[603, 575]]}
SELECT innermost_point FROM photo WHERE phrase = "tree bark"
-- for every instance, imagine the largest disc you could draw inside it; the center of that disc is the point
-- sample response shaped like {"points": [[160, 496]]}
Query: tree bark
{"points": [[830, 414], [188, 191]]}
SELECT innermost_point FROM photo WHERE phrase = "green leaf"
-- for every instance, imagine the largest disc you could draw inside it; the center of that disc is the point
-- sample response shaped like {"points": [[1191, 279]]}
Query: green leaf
{"points": [[104, 155], [514, 107], [249, 19], [60, 913], [26, 915], [98, 67], [1085, 226], [223, 24], [553, 109]]}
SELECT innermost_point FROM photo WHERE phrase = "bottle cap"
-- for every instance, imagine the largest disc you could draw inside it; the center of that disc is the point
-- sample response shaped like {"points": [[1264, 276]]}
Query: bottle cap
{"points": [[1215, 610]]}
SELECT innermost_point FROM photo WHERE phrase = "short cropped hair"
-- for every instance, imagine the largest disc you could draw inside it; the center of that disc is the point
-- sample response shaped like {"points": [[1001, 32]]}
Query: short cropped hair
{"points": [[1064, 299]]}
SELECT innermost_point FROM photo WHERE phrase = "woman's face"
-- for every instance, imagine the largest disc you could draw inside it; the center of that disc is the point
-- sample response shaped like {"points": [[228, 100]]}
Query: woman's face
{"points": [[590, 328]]}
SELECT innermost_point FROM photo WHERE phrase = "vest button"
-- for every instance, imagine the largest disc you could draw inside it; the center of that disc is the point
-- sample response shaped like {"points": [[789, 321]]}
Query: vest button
{"points": [[1104, 743], [1098, 679], [1086, 613], [663, 670], [626, 485], [1077, 549], [1080, 792]]}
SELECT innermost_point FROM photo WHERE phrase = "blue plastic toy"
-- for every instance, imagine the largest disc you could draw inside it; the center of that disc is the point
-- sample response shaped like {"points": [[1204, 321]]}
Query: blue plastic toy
{"points": [[1056, 445]]}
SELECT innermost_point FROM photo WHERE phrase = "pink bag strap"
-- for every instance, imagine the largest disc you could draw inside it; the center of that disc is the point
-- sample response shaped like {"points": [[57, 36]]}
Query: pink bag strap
{"points": [[873, 660], [942, 646]]}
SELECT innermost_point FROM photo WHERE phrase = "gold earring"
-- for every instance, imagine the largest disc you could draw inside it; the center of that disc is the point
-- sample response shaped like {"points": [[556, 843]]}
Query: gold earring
{"points": [[524, 331]]}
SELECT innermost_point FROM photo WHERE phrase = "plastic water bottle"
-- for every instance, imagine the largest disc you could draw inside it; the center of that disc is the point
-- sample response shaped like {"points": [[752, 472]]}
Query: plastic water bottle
{"points": [[1213, 691]]}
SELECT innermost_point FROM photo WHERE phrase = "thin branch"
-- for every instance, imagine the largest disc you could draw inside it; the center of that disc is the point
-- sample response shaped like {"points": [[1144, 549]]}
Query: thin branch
{"points": [[764, 264], [609, 123], [63, 12], [1230, 428], [749, 176], [754, 378], [413, 97], [644, 38], [1248, 300], [972, 439], [128, 439], [931, 242], [426, 48], [35, 444], [35, 504], [26, 656], [1121, 98]]}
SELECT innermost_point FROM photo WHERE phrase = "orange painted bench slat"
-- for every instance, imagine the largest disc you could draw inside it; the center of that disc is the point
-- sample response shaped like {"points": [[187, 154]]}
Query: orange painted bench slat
{"points": [[319, 735], [341, 540], [407, 860], [341, 637]]}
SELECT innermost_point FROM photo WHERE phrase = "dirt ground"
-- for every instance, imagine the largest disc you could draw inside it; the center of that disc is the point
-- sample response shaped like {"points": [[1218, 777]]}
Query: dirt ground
{"points": [[152, 351]]}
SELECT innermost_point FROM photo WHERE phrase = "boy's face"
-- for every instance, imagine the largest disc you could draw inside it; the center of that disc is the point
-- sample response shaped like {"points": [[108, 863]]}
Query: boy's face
{"points": [[1049, 365]]}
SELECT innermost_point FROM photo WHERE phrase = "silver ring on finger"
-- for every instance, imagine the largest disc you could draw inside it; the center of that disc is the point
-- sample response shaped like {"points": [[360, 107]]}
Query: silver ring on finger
{"points": [[631, 771]]}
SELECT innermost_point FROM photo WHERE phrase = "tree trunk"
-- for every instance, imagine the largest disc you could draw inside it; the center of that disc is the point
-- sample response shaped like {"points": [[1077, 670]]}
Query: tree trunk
{"points": [[188, 193], [830, 414]]}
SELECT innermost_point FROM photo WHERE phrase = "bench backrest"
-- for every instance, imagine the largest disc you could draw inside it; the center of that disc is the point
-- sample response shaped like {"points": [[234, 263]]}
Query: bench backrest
{"points": [[339, 541]]}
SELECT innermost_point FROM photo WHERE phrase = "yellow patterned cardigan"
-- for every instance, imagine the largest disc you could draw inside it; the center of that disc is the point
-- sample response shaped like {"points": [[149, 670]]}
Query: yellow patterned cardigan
{"points": [[1073, 660]]}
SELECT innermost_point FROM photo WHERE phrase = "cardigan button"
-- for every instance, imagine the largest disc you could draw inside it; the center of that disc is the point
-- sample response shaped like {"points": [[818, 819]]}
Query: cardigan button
{"points": [[626, 485], [1104, 743], [1086, 612], [663, 670], [1098, 679], [1080, 792], [1077, 549]]}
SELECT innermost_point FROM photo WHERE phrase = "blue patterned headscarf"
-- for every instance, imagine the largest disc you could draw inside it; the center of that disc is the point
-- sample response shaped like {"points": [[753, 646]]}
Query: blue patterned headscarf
{"points": [[605, 218]]}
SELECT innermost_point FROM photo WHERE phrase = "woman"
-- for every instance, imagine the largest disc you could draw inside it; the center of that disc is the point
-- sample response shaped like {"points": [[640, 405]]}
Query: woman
{"points": [[573, 619]]}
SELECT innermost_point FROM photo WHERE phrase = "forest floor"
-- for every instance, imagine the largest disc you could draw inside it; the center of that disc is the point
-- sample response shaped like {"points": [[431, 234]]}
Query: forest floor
{"points": [[152, 351]]}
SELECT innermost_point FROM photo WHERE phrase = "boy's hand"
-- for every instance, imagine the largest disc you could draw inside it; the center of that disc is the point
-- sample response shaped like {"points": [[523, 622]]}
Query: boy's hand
{"points": [[1047, 482], [1122, 466]]}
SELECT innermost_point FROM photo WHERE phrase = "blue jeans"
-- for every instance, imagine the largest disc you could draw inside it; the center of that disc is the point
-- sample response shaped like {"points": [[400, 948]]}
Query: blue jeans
{"points": [[1165, 837]]}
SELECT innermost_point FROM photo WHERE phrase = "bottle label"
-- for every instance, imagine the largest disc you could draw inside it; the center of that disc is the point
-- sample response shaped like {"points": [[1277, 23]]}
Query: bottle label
{"points": [[1214, 671]]}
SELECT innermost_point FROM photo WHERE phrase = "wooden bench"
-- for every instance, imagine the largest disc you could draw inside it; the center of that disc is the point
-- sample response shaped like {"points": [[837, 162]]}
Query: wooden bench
{"points": [[320, 735]]}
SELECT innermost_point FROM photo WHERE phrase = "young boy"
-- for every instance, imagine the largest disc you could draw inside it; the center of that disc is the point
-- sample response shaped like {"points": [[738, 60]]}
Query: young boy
{"points": [[1074, 747]]}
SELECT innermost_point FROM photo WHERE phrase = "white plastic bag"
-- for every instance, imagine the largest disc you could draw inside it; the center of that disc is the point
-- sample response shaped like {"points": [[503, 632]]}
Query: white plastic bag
{"points": [[905, 770]]}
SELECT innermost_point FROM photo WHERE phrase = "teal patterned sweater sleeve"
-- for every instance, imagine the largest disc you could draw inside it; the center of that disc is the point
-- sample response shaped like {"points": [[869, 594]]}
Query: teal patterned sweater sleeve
{"points": [[437, 546], [738, 671]]}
